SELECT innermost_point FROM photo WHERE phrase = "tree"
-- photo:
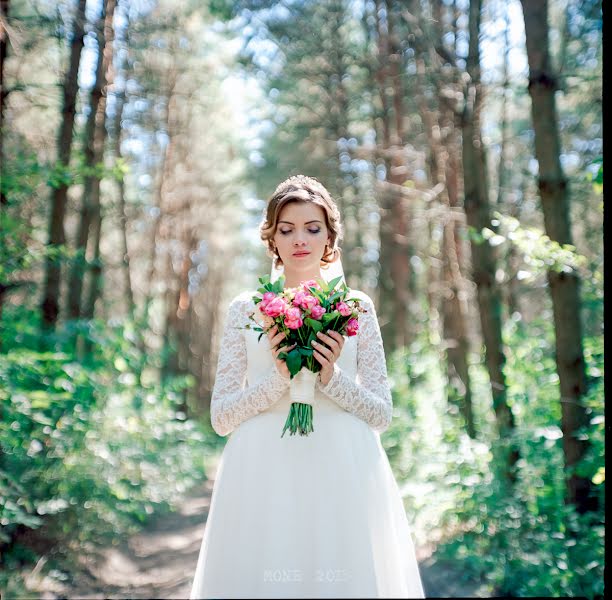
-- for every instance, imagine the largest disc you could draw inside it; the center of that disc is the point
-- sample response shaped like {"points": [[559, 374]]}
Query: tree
{"points": [[564, 285], [93, 145], [56, 233], [477, 210]]}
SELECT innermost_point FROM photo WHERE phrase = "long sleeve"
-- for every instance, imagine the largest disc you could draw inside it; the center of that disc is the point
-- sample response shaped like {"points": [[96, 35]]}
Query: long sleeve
{"points": [[232, 403], [368, 398]]}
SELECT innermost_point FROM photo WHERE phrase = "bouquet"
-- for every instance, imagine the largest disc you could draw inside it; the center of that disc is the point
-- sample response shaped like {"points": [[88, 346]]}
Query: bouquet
{"points": [[301, 312]]}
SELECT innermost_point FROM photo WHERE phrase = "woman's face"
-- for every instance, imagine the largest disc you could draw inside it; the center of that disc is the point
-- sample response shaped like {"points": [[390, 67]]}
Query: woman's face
{"points": [[301, 236]]}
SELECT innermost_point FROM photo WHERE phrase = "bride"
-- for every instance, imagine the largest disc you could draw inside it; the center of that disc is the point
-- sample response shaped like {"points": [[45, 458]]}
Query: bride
{"points": [[314, 516]]}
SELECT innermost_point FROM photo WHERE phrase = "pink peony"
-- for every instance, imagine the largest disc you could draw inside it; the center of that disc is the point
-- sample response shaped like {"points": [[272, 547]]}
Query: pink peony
{"points": [[310, 301], [344, 309], [299, 298], [293, 318], [310, 283], [267, 297], [304, 300], [275, 307], [352, 327], [317, 311]]}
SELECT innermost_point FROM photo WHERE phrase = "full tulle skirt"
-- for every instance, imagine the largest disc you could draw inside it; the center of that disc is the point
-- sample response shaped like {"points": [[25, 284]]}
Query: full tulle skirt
{"points": [[317, 516]]}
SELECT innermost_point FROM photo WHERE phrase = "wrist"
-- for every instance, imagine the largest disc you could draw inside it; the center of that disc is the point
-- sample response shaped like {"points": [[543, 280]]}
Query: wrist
{"points": [[325, 377]]}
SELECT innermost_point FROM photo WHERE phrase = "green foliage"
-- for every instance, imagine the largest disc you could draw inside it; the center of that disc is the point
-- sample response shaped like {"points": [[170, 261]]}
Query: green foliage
{"points": [[538, 251], [519, 542], [89, 450]]}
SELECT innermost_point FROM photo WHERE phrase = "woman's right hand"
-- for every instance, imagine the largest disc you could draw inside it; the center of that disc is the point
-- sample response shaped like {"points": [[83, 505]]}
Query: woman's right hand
{"points": [[276, 337]]}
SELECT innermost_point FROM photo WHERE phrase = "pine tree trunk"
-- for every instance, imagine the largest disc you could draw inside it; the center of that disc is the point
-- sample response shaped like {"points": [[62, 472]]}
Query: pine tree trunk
{"points": [[95, 136], [400, 265], [564, 287], [120, 98], [454, 314], [56, 235], [95, 273], [385, 283], [483, 256], [4, 13]]}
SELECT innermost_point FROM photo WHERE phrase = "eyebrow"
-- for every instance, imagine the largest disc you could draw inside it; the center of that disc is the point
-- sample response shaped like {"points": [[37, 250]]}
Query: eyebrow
{"points": [[307, 222]]}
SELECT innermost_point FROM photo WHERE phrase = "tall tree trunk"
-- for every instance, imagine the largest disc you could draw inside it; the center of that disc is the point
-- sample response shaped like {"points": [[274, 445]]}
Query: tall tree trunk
{"points": [[394, 298], [57, 236], [95, 278], [564, 287], [166, 159], [4, 13], [383, 126], [95, 136], [483, 258], [123, 217], [120, 97], [454, 313], [400, 264]]}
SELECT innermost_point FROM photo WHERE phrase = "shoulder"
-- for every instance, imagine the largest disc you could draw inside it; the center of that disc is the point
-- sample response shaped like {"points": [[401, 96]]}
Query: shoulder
{"points": [[242, 303], [245, 297]]}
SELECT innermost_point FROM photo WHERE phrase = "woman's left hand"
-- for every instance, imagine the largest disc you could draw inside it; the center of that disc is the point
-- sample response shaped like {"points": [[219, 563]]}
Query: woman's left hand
{"points": [[327, 350]]}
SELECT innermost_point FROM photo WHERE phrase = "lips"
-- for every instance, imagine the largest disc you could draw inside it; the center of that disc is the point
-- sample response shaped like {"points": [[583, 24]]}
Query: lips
{"points": [[301, 253]]}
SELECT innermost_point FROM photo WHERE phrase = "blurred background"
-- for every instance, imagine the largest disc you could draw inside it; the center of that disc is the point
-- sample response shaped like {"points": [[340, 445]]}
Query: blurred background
{"points": [[139, 142]]}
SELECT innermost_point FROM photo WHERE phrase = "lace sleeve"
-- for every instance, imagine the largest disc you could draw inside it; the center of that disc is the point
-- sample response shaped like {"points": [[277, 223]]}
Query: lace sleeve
{"points": [[232, 403], [368, 398]]}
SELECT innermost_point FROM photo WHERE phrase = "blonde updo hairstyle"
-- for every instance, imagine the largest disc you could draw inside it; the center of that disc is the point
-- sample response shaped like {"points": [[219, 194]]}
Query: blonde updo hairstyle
{"points": [[300, 188]]}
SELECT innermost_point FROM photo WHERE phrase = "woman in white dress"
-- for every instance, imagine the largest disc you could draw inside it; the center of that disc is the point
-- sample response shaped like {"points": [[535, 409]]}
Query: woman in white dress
{"points": [[313, 516]]}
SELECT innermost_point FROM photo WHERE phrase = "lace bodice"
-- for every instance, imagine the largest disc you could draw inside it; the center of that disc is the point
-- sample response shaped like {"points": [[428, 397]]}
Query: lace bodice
{"points": [[248, 382]]}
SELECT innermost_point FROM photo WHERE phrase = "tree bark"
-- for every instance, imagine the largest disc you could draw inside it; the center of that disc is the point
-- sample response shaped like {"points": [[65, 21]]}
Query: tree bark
{"points": [[564, 287], [95, 136], [400, 265], [483, 257], [4, 13], [56, 235], [454, 313], [95, 279], [394, 219]]}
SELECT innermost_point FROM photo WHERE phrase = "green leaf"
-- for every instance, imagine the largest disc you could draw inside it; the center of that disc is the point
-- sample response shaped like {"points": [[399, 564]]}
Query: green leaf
{"points": [[294, 362], [316, 325], [329, 317], [333, 282]]}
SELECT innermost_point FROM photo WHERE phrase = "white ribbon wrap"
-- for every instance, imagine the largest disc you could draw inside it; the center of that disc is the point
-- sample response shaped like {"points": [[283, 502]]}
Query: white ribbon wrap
{"points": [[302, 387]]}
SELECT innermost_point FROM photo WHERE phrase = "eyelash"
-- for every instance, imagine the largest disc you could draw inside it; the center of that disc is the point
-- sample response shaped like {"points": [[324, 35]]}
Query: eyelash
{"points": [[310, 230]]}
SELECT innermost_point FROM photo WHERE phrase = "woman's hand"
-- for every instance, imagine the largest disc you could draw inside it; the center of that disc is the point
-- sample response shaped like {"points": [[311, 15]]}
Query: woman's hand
{"points": [[276, 337], [326, 351]]}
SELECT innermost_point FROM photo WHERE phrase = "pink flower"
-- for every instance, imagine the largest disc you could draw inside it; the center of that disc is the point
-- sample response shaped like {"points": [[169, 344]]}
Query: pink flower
{"points": [[294, 323], [316, 312], [304, 300], [267, 297], [310, 301], [310, 283], [344, 309], [275, 307], [293, 318], [352, 327], [299, 298]]}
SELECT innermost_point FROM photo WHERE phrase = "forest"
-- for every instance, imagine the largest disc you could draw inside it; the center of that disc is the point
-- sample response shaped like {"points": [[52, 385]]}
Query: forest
{"points": [[463, 143]]}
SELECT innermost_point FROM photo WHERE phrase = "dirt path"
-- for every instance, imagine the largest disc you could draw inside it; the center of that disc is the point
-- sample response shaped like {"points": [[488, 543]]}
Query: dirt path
{"points": [[159, 562]]}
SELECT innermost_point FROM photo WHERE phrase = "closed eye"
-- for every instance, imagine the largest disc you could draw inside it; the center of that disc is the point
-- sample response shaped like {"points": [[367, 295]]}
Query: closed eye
{"points": [[289, 231]]}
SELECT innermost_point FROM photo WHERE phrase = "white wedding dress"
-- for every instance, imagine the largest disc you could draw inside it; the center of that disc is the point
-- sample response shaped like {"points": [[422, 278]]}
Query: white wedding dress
{"points": [[316, 516]]}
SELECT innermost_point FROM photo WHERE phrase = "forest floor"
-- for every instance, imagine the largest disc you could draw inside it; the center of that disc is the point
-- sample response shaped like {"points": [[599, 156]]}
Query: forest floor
{"points": [[160, 560]]}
